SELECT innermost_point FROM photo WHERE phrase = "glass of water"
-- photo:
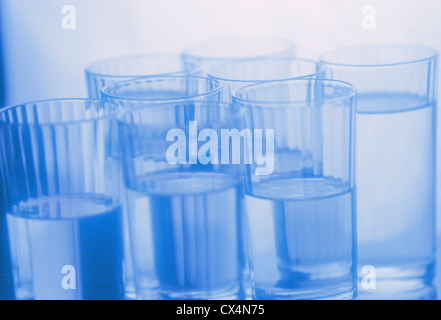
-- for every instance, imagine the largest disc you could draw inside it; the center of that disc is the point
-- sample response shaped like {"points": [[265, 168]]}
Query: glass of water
{"points": [[109, 71], [113, 77], [239, 73], [396, 125], [138, 93], [63, 208], [300, 188], [184, 199], [214, 51], [236, 74]]}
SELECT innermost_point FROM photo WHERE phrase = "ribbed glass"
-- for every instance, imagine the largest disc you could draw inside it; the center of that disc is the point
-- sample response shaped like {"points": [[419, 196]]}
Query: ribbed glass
{"points": [[236, 74], [184, 208], [109, 71], [218, 50], [59, 163], [300, 188], [162, 89]]}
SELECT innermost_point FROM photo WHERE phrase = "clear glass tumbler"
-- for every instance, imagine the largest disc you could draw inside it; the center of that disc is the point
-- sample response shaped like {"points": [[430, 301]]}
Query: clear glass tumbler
{"points": [[108, 72], [138, 93], [129, 93], [300, 188], [239, 73], [58, 164], [181, 88], [236, 74], [183, 199], [213, 51], [395, 155]]}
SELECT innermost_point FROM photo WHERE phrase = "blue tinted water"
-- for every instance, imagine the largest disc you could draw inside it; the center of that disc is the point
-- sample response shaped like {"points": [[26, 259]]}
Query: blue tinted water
{"points": [[185, 235], [396, 189], [49, 233], [302, 238]]}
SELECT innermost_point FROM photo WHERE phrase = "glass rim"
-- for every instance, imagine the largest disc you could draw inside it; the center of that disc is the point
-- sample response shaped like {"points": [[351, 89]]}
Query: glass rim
{"points": [[107, 96], [257, 59], [431, 55], [125, 58], [344, 96], [238, 112], [57, 123], [190, 50]]}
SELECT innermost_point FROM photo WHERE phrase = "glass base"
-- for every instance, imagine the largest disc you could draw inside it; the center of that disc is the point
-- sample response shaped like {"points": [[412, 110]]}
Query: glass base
{"points": [[393, 290], [229, 294], [342, 293], [409, 282]]}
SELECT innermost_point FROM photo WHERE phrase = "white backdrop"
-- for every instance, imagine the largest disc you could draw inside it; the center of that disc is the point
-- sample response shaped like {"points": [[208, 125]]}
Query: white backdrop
{"points": [[43, 60]]}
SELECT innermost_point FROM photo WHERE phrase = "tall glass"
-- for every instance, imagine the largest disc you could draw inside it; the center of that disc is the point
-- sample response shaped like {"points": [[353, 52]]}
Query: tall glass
{"points": [[214, 51], [236, 74], [58, 164], [183, 199], [149, 90], [300, 188], [395, 162], [154, 89], [239, 73], [108, 72]]}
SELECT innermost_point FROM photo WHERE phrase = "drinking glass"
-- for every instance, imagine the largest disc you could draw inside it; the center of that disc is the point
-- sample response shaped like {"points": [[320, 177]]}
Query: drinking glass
{"points": [[183, 199], [214, 51], [155, 89], [395, 156], [58, 164], [149, 90], [300, 188], [109, 71], [161, 89], [239, 73]]}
